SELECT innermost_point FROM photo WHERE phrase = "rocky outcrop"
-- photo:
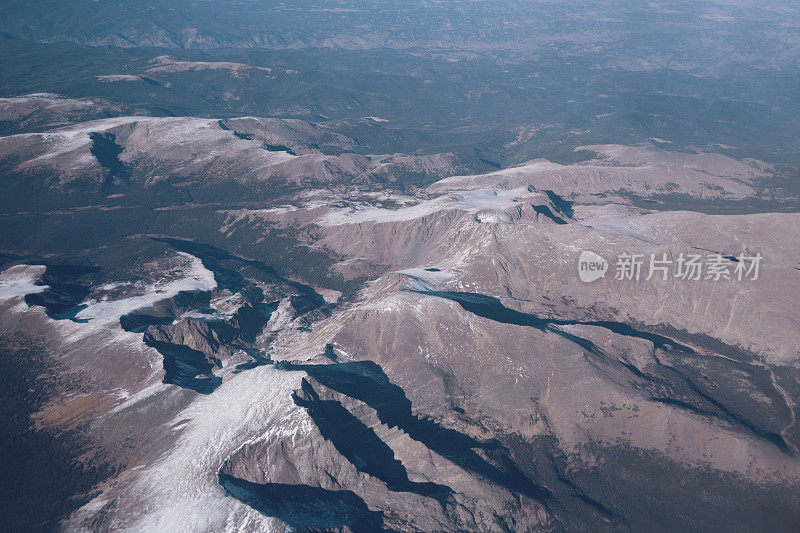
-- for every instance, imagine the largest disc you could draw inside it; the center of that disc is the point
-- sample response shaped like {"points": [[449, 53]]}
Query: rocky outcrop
{"points": [[470, 379]]}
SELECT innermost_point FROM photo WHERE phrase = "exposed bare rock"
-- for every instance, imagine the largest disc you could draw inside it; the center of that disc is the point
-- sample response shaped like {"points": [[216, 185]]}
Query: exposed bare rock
{"points": [[467, 379], [40, 111], [619, 170], [204, 152], [166, 64]]}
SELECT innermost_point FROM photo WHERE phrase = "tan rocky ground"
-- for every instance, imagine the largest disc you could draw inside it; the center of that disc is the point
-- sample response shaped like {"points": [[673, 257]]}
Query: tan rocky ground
{"points": [[474, 382]]}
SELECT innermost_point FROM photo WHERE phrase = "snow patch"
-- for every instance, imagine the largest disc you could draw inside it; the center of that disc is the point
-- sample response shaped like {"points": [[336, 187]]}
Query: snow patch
{"points": [[470, 201], [179, 492], [195, 278], [21, 280], [422, 279]]}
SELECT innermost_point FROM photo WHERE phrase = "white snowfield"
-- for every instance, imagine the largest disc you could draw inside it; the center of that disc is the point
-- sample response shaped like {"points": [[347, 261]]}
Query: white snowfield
{"points": [[20, 280], [470, 201], [179, 492], [194, 278]]}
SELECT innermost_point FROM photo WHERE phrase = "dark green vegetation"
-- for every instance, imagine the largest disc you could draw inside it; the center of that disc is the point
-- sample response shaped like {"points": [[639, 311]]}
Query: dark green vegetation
{"points": [[42, 476], [563, 79]]}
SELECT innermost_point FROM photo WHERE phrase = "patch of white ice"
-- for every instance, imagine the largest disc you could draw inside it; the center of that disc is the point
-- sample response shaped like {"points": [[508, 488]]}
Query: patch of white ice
{"points": [[195, 278], [470, 201], [20, 280]]}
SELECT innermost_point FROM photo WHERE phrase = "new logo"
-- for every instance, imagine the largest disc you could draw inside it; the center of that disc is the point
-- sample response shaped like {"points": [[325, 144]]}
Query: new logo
{"points": [[591, 266]]}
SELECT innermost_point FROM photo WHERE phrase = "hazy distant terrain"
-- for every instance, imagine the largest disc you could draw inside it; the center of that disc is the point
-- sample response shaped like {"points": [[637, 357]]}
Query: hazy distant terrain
{"points": [[315, 266]]}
